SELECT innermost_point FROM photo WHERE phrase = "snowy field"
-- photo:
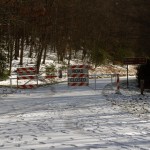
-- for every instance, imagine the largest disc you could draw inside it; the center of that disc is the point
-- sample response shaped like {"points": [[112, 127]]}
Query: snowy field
{"points": [[59, 117]]}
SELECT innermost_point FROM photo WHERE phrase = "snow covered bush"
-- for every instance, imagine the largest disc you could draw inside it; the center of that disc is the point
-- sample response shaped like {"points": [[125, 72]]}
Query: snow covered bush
{"points": [[143, 73], [3, 70], [50, 69]]}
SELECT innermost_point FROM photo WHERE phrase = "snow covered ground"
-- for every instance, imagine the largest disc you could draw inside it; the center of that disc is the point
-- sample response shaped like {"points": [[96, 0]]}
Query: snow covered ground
{"points": [[59, 117], [130, 98]]}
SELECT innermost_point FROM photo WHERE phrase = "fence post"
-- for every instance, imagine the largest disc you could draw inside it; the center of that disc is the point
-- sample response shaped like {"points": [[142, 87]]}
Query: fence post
{"points": [[95, 80], [111, 81], [37, 78], [142, 86], [118, 85], [10, 83]]}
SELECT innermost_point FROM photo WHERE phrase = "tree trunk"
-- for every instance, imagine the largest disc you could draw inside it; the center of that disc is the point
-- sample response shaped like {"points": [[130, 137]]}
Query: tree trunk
{"points": [[22, 49], [45, 52], [16, 48], [31, 51], [10, 47], [69, 55], [39, 56]]}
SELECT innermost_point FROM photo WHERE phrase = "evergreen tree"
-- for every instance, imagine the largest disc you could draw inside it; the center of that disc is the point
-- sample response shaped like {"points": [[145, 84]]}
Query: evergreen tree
{"points": [[3, 59]]}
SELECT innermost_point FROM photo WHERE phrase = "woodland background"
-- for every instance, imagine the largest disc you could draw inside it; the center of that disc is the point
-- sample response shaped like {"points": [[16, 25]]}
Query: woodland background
{"points": [[103, 31]]}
